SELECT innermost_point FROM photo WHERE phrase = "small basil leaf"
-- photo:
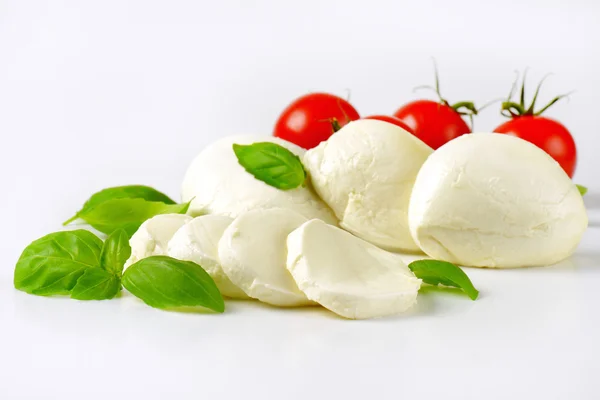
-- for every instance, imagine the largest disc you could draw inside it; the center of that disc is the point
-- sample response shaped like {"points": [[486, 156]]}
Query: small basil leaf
{"points": [[53, 263], [115, 252], [127, 214], [271, 163], [436, 272], [582, 189], [122, 192], [164, 282], [96, 284]]}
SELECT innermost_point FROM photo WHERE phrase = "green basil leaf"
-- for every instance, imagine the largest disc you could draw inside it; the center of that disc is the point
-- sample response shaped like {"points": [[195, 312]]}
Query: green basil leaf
{"points": [[115, 252], [164, 282], [271, 163], [122, 192], [582, 189], [436, 272], [96, 284], [127, 214], [54, 263]]}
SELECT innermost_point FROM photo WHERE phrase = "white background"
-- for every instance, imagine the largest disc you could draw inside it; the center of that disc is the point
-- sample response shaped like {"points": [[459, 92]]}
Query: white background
{"points": [[101, 93]]}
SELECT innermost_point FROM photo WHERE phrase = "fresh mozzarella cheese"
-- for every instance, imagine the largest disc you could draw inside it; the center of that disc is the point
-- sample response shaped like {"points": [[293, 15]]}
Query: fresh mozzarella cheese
{"points": [[348, 275], [365, 173], [198, 241], [253, 255], [492, 200], [220, 185], [153, 236]]}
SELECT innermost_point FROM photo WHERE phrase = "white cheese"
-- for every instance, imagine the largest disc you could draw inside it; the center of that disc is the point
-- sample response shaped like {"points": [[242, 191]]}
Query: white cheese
{"points": [[365, 173], [348, 275], [253, 255], [492, 200], [220, 185], [198, 241], [153, 236]]}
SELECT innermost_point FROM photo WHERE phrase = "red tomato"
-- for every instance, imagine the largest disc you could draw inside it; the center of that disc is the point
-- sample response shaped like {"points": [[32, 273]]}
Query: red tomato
{"points": [[392, 120], [433, 122], [308, 120], [547, 134]]}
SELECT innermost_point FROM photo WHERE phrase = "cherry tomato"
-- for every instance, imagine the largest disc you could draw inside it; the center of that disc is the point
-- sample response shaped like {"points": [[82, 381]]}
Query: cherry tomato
{"points": [[433, 122], [547, 134], [309, 119], [392, 120]]}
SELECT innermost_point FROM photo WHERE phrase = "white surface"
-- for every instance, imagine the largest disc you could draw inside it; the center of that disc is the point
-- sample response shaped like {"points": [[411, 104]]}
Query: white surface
{"points": [[96, 94], [532, 334]]}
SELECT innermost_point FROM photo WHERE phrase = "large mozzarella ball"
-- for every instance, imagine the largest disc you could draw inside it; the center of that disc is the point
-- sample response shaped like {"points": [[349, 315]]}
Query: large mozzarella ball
{"points": [[365, 173], [491, 200], [220, 185]]}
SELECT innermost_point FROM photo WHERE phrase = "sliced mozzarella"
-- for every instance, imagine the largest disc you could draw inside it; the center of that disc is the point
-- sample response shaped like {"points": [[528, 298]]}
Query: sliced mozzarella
{"points": [[365, 173], [348, 275], [220, 185], [253, 254], [198, 241], [153, 236], [492, 200]]}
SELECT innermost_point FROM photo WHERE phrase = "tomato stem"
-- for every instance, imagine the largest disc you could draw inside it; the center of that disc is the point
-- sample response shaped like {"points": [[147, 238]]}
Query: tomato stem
{"points": [[512, 109], [469, 107], [335, 125]]}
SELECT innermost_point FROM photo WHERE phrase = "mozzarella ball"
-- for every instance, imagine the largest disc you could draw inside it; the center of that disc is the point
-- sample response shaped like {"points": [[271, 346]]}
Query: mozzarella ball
{"points": [[253, 255], [365, 173], [153, 236], [220, 185], [348, 275], [492, 200], [198, 241]]}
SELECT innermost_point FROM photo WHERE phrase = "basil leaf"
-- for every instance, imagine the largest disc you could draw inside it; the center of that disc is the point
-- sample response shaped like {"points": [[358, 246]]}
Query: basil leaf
{"points": [[582, 189], [127, 214], [122, 192], [54, 263], [115, 252], [164, 282], [436, 272], [271, 163], [96, 284]]}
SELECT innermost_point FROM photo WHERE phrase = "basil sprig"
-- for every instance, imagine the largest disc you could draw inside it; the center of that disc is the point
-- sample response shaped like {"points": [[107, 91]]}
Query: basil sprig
{"points": [[127, 214], [164, 282], [435, 272], [125, 207], [271, 163], [582, 189], [75, 263], [78, 264], [54, 263], [121, 192]]}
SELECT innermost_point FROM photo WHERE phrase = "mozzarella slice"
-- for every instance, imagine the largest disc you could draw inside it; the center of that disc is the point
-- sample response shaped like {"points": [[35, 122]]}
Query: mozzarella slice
{"points": [[348, 275], [198, 241], [153, 236], [492, 200], [220, 185], [253, 254], [365, 173]]}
